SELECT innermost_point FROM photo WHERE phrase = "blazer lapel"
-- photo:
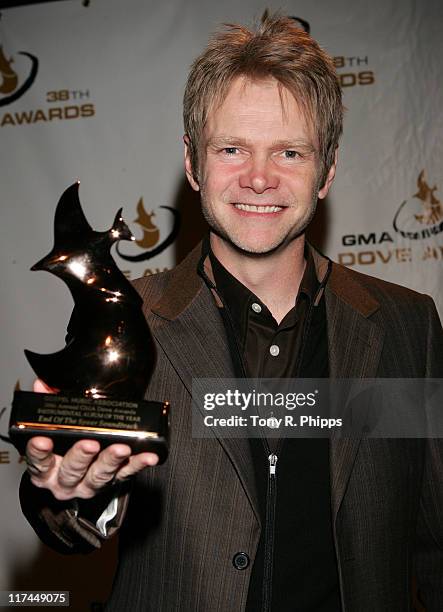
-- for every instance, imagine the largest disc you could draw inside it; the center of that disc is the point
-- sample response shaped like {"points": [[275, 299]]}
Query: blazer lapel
{"points": [[355, 345], [191, 332], [188, 327]]}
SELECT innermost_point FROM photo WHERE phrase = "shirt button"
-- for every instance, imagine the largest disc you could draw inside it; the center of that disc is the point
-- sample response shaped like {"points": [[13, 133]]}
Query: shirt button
{"points": [[256, 307], [274, 350], [240, 560]]}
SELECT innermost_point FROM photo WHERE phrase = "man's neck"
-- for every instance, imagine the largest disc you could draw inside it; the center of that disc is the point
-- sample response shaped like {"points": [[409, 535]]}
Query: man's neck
{"points": [[273, 277]]}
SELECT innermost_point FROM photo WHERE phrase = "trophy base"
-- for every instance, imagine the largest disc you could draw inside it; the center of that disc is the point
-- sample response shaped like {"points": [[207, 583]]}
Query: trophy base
{"points": [[142, 425]]}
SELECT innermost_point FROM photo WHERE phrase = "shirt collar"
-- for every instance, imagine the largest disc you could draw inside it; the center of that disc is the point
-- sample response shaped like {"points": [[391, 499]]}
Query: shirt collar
{"points": [[229, 291], [232, 289]]}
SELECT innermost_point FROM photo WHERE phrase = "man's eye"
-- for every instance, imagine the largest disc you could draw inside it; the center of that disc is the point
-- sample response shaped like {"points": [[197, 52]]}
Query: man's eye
{"points": [[289, 154], [230, 150]]}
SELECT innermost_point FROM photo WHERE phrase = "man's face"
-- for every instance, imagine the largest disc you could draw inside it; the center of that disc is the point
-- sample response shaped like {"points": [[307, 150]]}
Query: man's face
{"points": [[259, 169]]}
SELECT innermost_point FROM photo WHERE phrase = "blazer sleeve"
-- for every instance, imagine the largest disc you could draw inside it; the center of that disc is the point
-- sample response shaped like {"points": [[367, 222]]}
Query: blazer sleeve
{"points": [[429, 550], [69, 527]]}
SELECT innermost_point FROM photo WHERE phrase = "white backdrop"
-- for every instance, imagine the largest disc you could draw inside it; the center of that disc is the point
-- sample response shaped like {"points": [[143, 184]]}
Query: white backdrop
{"points": [[105, 107]]}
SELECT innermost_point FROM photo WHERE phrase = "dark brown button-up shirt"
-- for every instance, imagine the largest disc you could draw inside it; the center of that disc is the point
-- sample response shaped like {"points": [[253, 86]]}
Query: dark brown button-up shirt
{"points": [[304, 577], [268, 349]]}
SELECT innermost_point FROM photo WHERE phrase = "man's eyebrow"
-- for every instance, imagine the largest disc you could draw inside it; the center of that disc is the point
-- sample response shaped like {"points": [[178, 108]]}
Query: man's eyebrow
{"points": [[230, 141], [296, 143], [225, 141]]}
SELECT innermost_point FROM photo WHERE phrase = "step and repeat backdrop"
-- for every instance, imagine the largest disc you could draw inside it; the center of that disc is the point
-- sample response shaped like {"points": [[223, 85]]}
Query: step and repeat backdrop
{"points": [[93, 93]]}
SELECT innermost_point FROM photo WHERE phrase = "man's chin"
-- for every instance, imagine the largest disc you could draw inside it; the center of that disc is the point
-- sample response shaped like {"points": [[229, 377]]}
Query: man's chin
{"points": [[259, 247]]}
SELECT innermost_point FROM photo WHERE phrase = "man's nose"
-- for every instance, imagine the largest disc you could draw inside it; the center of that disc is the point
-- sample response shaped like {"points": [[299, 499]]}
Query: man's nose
{"points": [[259, 174]]}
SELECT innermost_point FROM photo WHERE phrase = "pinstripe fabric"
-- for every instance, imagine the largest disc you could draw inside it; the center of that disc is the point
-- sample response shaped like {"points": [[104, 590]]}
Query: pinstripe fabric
{"points": [[202, 484], [188, 517], [206, 505]]}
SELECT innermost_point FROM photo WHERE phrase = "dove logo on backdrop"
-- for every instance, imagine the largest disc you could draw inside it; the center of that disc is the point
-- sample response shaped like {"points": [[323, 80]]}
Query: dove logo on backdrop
{"points": [[151, 233], [15, 81], [417, 235], [425, 222], [150, 236], [17, 74]]}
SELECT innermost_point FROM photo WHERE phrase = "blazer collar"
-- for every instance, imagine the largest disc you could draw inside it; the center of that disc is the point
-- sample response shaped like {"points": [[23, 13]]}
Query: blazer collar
{"points": [[195, 342], [354, 345], [185, 283]]}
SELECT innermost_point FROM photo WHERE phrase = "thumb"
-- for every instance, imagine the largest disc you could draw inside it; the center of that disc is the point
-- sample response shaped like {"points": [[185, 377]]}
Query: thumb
{"points": [[41, 387]]}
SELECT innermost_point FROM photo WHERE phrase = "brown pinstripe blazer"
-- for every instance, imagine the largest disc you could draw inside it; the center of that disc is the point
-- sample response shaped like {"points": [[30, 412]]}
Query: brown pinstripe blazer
{"points": [[187, 518]]}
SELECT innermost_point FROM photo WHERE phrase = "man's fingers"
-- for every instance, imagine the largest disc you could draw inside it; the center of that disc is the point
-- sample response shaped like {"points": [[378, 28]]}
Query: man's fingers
{"points": [[135, 464], [84, 470], [107, 464], [39, 447], [76, 462], [39, 456]]}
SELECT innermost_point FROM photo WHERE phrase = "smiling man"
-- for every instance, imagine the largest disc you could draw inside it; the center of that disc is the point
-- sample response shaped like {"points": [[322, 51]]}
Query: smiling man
{"points": [[260, 168], [281, 525], [260, 175]]}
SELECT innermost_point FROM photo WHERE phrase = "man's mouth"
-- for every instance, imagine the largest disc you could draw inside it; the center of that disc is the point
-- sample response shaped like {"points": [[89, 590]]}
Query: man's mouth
{"points": [[258, 209]]}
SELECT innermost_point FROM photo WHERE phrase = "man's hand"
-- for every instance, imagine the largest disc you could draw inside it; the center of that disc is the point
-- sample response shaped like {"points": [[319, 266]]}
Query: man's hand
{"points": [[84, 470]]}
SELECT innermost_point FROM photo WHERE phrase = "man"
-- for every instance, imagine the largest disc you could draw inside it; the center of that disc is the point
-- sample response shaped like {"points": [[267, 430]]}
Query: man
{"points": [[236, 524]]}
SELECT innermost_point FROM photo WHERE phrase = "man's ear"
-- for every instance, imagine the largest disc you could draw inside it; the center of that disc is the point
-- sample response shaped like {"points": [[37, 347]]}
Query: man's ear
{"points": [[188, 164], [329, 178]]}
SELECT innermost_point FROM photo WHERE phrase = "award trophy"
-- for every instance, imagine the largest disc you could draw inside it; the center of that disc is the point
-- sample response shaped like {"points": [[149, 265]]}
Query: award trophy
{"points": [[102, 373]]}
